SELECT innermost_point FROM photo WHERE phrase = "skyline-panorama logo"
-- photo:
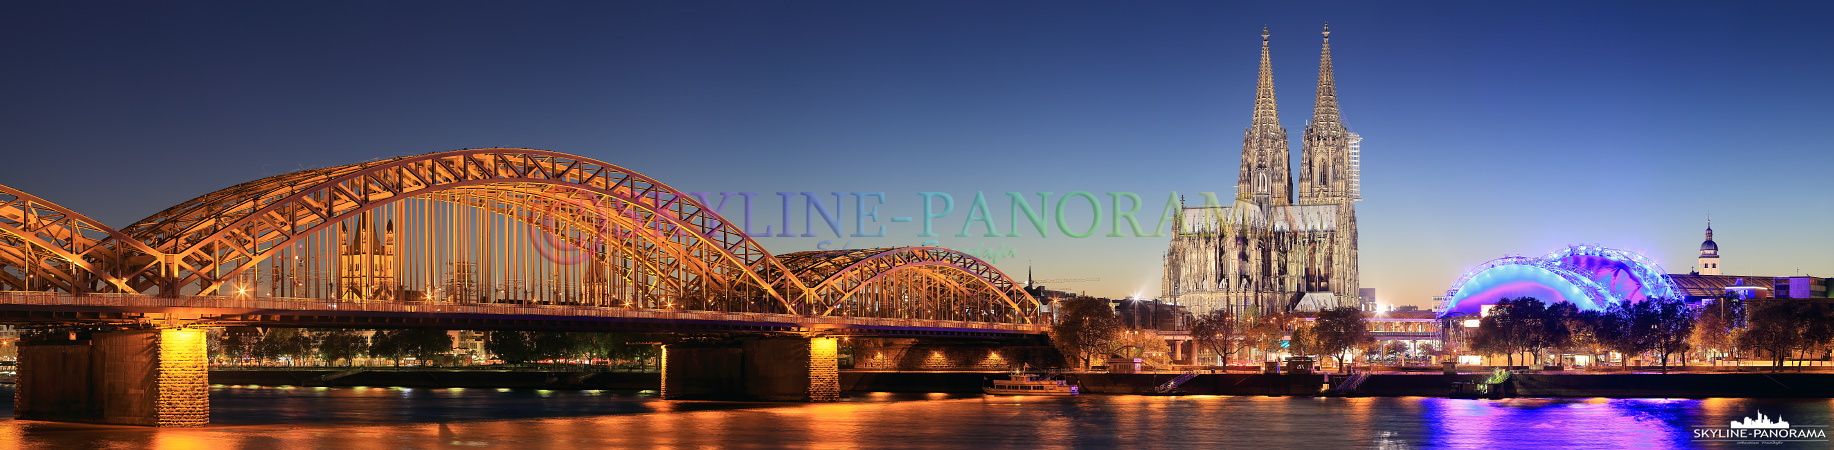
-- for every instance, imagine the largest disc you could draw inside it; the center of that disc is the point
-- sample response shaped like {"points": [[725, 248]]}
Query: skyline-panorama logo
{"points": [[1762, 429], [1760, 422]]}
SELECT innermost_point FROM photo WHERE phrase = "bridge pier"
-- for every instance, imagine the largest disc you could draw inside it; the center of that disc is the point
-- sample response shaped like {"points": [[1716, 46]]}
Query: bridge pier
{"points": [[130, 377], [774, 369]]}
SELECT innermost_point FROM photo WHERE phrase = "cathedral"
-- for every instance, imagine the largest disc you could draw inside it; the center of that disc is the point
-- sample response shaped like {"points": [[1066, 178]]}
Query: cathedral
{"points": [[1280, 246]]}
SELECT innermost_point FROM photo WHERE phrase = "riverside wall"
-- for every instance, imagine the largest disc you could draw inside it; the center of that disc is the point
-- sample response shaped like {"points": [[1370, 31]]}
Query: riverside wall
{"points": [[530, 379], [1617, 385]]}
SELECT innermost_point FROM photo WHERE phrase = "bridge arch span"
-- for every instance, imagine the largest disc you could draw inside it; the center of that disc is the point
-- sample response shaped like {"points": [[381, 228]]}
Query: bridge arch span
{"points": [[217, 237], [497, 225], [878, 282], [46, 246]]}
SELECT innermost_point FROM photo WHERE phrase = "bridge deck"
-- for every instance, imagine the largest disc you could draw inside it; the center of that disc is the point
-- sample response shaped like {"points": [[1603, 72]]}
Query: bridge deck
{"points": [[48, 307]]}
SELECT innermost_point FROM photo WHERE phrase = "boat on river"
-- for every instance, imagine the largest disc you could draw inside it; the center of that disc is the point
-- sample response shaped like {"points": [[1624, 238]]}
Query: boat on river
{"points": [[1030, 384]]}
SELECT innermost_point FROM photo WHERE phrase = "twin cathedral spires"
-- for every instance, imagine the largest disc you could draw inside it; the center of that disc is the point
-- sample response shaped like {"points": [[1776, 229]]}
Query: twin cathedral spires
{"points": [[1325, 167], [1284, 244]]}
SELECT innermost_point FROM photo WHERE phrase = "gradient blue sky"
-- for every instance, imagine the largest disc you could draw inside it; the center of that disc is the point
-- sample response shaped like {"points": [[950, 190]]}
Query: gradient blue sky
{"points": [[1490, 129]]}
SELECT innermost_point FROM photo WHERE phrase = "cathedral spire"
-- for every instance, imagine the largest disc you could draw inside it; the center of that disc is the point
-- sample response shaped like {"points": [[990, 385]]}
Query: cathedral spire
{"points": [[1265, 175], [1267, 112], [1324, 171], [1324, 109]]}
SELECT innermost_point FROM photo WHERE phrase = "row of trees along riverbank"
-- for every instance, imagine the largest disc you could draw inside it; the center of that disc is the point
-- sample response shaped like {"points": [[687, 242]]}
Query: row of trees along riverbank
{"points": [[1662, 330], [300, 347], [1340, 333], [1773, 329], [1087, 328]]}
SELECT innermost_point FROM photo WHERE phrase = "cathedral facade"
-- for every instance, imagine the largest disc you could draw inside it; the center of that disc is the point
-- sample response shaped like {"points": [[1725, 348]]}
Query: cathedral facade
{"points": [[1280, 245]]}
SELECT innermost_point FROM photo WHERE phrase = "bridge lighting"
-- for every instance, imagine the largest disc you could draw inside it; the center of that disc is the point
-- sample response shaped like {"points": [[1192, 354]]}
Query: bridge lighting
{"points": [[969, 286]]}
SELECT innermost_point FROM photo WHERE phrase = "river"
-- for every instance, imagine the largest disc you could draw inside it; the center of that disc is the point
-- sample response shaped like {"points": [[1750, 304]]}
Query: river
{"points": [[272, 418]]}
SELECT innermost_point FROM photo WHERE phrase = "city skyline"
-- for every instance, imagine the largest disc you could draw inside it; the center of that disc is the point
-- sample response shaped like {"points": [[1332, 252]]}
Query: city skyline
{"points": [[1487, 131]]}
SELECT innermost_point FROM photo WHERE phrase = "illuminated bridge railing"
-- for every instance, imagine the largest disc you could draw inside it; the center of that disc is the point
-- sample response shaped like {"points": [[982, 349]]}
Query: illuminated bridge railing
{"points": [[139, 303]]}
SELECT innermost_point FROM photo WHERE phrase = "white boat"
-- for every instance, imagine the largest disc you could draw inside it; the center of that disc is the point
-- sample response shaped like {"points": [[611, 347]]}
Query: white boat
{"points": [[1028, 384]]}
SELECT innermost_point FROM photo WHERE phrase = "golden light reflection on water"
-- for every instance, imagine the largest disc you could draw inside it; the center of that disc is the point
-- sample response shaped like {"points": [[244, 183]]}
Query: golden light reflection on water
{"points": [[886, 420], [179, 440], [1362, 410]]}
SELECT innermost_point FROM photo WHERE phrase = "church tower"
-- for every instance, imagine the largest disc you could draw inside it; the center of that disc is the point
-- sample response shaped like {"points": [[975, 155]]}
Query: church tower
{"points": [[1280, 246], [1324, 172], [1266, 177], [1324, 179], [1709, 253]]}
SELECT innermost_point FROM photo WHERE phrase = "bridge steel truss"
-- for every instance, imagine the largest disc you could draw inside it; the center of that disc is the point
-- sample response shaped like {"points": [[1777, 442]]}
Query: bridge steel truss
{"points": [[910, 282], [44, 246], [488, 226]]}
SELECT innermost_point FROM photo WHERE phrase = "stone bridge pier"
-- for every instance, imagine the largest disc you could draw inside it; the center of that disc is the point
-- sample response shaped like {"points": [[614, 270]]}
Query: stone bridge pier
{"points": [[148, 377], [771, 369]]}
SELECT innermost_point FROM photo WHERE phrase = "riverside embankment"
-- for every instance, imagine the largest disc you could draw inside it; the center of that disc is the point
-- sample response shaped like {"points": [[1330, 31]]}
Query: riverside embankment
{"points": [[1572, 385], [438, 378]]}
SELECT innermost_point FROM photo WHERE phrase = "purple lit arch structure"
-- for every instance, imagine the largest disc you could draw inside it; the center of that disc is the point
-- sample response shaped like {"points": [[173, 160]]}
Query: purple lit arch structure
{"points": [[1589, 276]]}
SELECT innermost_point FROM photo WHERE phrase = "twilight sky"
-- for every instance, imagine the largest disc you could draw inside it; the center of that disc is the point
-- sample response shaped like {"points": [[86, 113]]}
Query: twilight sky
{"points": [[1489, 129]]}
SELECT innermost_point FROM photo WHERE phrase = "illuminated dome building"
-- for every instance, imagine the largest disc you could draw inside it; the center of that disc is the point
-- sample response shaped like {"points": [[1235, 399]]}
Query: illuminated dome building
{"points": [[1589, 276]]}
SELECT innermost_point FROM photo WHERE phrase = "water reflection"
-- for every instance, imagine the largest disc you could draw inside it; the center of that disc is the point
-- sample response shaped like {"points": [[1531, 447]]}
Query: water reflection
{"points": [[268, 418]]}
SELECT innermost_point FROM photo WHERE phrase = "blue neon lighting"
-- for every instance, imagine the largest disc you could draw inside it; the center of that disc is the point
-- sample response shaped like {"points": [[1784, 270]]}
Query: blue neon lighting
{"points": [[1588, 276]]}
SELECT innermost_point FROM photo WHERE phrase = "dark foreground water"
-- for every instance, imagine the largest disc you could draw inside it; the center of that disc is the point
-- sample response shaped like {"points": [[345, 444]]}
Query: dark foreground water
{"points": [[274, 418]]}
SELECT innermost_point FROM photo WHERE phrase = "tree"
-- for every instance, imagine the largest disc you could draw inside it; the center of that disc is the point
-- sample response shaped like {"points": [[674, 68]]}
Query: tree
{"points": [[1487, 339], [1713, 331], [1340, 330], [1817, 332], [1302, 341], [1216, 331], [1506, 331], [1146, 345], [388, 344], [1671, 324], [1520, 326], [426, 344], [1273, 334], [1776, 327], [1086, 327], [1716, 328], [285, 343], [1584, 335], [334, 345], [1556, 331], [1394, 349], [240, 343], [1624, 328], [618, 346], [549, 345], [613, 346], [513, 347], [1531, 327], [423, 344]]}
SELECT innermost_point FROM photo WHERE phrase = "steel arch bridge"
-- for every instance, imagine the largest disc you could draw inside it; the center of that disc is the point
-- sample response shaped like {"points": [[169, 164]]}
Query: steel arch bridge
{"points": [[496, 226]]}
